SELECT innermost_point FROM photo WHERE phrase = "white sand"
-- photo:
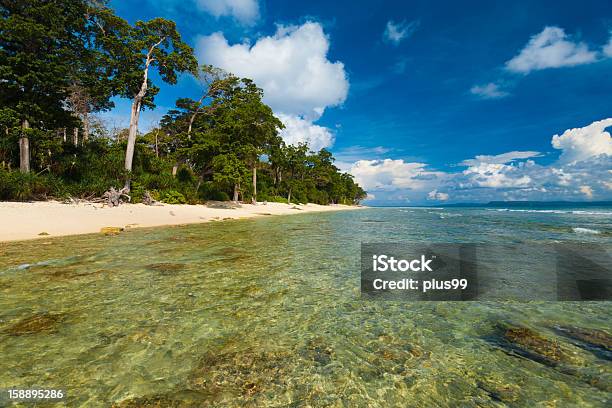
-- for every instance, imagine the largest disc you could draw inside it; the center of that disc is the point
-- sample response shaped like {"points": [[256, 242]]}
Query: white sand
{"points": [[19, 221]]}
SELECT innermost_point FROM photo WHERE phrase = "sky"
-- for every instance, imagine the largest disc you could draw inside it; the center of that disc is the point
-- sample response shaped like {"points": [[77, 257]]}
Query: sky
{"points": [[423, 102]]}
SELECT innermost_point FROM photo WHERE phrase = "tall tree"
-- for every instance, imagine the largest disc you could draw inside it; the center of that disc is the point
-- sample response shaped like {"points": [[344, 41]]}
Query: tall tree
{"points": [[251, 125], [136, 50], [293, 161]]}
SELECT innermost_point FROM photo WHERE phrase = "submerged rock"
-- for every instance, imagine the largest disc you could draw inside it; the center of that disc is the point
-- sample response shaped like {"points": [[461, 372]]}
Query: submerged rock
{"points": [[593, 337], [38, 323], [498, 391], [317, 351], [534, 346], [241, 374]]}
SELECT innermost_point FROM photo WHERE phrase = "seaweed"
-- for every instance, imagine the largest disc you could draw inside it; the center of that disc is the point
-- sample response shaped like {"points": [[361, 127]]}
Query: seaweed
{"points": [[166, 268], [38, 323]]}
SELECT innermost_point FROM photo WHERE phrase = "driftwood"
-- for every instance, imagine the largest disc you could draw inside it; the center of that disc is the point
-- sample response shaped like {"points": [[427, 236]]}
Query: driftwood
{"points": [[114, 198]]}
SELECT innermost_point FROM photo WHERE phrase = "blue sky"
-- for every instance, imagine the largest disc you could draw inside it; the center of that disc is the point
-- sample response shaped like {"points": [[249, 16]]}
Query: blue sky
{"points": [[422, 102]]}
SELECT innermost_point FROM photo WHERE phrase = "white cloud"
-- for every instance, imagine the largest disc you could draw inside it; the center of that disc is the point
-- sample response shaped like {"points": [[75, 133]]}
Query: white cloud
{"points": [[245, 11], [291, 67], [586, 142], [587, 191], [583, 171], [389, 175], [607, 49], [436, 195], [551, 48], [396, 32], [354, 153], [299, 130], [489, 91], [496, 175], [501, 158]]}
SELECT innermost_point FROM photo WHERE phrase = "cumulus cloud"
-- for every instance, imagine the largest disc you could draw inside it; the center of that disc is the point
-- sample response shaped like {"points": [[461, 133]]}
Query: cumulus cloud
{"points": [[437, 196], [496, 175], [586, 142], [488, 91], [291, 67], [396, 32], [299, 130], [390, 175], [550, 48], [245, 11], [583, 171]]}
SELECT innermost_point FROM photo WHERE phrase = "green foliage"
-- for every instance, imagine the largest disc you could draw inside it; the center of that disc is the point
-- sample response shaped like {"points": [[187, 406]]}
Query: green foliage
{"points": [[185, 175], [61, 61], [277, 199], [26, 186], [173, 197]]}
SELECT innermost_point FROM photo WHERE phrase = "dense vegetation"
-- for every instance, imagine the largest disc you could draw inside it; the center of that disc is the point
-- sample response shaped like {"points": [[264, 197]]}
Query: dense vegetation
{"points": [[61, 62]]}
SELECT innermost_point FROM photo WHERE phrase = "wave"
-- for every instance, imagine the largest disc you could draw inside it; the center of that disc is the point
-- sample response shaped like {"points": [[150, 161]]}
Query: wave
{"points": [[576, 212], [579, 230], [445, 215]]}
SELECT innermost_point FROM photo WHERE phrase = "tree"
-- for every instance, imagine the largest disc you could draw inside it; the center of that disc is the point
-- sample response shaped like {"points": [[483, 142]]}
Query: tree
{"points": [[250, 125], [135, 50], [229, 169], [292, 160]]}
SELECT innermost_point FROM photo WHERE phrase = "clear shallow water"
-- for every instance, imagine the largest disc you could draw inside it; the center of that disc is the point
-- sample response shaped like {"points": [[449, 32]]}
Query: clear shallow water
{"points": [[267, 312]]}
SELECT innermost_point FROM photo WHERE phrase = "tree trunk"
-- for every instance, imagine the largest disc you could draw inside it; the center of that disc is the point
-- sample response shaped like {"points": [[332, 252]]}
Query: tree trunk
{"points": [[24, 148], [174, 170], [135, 114], [289, 196], [254, 197], [75, 136], [65, 135], [85, 120], [131, 142], [236, 188], [156, 149]]}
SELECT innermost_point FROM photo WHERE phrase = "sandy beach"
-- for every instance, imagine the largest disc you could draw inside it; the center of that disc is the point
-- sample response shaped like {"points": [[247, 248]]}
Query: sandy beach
{"points": [[21, 221]]}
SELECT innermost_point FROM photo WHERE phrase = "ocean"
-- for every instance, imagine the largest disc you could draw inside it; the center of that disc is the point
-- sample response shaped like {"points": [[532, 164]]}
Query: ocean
{"points": [[268, 312]]}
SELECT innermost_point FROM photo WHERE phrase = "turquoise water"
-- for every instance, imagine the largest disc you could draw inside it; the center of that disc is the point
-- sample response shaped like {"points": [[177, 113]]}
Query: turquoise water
{"points": [[267, 312]]}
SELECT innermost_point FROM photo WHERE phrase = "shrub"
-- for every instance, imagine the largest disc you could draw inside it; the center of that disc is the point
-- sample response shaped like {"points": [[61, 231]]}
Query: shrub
{"points": [[185, 175], [277, 199], [211, 191], [219, 196], [18, 186], [173, 197]]}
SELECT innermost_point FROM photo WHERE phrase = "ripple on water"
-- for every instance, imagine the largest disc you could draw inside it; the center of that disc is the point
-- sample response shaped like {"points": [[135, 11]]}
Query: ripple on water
{"points": [[267, 312]]}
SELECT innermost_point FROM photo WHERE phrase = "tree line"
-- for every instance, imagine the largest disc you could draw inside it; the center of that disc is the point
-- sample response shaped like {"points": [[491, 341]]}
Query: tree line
{"points": [[62, 62]]}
